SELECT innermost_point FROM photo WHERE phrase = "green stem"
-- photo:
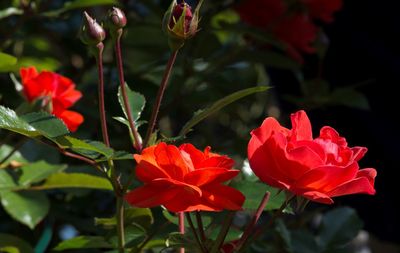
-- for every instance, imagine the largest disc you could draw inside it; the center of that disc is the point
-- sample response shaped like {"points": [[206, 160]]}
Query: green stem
{"points": [[102, 110], [222, 234], [120, 224], [160, 94], [242, 241], [196, 236], [200, 226], [137, 141]]}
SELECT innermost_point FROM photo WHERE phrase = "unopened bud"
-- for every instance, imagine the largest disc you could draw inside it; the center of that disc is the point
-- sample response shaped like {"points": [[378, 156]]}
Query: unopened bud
{"points": [[92, 33], [117, 18], [180, 23]]}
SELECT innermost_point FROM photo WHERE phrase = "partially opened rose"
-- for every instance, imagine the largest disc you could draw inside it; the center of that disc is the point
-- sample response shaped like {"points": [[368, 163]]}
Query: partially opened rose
{"points": [[317, 169], [57, 92], [184, 179]]}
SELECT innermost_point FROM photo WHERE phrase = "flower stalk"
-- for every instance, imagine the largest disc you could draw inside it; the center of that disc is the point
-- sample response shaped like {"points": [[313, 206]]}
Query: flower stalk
{"points": [[242, 241], [160, 94], [137, 140]]}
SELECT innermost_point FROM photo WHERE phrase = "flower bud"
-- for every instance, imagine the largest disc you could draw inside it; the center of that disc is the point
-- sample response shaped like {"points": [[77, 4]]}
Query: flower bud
{"points": [[117, 18], [180, 23], [92, 33]]}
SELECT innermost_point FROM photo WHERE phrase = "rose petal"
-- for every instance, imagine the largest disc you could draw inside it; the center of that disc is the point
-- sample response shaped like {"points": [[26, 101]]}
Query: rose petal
{"points": [[210, 175]]}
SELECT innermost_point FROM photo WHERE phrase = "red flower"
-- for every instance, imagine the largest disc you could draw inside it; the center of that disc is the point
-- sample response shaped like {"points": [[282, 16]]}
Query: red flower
{"points": [[317, 169], [58, 94], [294, 29], [323, 9], [184, 179]]}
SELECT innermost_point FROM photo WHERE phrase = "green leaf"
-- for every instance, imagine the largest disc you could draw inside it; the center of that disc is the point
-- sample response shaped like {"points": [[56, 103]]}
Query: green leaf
{"points": [[76, 180], [5, 150], [48, 125], [218, 105], [10, 11], [13, 244], [284, 235], [117, 155], [134, 234], [29, 208], [338, 227], [78, 4], [36, 172], [83, 242], [139, 216], [136, 100], [10, 121], [6, 61], [303, 242], [178, 240], [254, 192], [6, 181], [91, 149]]}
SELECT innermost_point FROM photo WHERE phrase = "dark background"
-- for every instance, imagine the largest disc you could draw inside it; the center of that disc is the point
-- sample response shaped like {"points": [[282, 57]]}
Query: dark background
{"points": [[365, 48]]}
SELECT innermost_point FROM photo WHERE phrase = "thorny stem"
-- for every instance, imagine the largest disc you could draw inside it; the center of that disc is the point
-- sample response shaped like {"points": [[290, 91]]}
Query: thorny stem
{"points": [[181, 219], [200, 226], [102, 110], [160, 94], [242, 241], [138, 143], [196, 236]]}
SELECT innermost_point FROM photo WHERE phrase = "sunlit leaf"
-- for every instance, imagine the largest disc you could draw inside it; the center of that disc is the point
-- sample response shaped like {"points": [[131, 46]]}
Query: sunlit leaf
{"points": [[10, 11], [13, 244], [76, 180], [218, 105], [83, 242], [6, 61]]}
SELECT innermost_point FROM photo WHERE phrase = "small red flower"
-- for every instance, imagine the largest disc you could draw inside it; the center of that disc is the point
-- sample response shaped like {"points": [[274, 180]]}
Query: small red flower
{"points": [[317, 169], [58, 94], [184, 179]]}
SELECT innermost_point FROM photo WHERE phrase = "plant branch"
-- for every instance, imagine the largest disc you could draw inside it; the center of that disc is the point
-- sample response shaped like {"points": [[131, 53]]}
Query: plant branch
{"points": [[102, 110], [222, 234], [160, 94], [243, 239], [200, 226], [138, 143], [196, 236], [181, 220], [120, 224]]}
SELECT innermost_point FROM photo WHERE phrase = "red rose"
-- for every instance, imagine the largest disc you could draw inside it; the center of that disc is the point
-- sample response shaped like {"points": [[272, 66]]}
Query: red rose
{"points": [[317, 169], [58, 94], [323, 9], [295, 29], [184, 179]]}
